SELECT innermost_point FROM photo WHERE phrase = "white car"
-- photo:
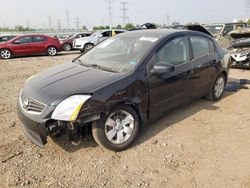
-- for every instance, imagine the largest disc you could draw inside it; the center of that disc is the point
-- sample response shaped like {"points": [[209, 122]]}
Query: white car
{"points": [[85, 44]]}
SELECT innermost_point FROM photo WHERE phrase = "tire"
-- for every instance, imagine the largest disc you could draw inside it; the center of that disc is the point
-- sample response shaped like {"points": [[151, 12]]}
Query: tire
{"points": [[51, 51], [218, 87], [67, 47], [87, 47], [5, 54], [121, 122]]}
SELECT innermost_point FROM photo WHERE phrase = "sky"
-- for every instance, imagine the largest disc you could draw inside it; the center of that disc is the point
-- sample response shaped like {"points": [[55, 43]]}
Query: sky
{"points": [[35, 13]]}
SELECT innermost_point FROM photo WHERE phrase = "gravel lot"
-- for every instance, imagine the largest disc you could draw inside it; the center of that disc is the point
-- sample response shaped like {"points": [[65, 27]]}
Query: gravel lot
{"points": [[203, 144]]}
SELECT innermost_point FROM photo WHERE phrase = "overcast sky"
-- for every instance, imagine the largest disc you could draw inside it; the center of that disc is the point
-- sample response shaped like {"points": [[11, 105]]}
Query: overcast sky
{"points": [[94, 12]]}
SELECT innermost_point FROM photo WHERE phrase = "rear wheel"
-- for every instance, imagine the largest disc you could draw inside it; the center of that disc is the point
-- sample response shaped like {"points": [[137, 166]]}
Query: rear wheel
{"points": [[218, 88], [67, 47], [118, 129], [51, 51], [5, 54]]}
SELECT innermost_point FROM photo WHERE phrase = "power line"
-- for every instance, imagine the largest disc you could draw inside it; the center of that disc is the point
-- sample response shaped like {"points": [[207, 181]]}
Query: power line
{"points": [[77, 22], [28, 23], [50, 22], [124, 10], [59, 24], [110, 10], [67, 18]]}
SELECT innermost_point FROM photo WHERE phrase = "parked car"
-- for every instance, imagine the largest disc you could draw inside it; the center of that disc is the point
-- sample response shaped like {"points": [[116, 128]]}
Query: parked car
{"points": [[85, 44], [67, 43], [6, 38], [29, 45], [221, 32], [122, 84]]}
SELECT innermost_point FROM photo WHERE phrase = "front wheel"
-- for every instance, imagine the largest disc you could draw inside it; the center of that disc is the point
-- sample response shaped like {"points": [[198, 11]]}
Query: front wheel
{"points": [[87, 47], [118, 129], [5, 54], [67, 47], [51, 51], [218, 88]]}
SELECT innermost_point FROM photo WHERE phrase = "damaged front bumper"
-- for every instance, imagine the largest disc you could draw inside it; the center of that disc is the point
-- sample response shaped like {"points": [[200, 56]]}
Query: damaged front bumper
{"points": [[38, 126]]}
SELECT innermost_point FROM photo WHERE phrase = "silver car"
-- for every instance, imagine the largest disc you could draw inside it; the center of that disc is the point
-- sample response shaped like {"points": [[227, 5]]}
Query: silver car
{"points": [[85, 44]]}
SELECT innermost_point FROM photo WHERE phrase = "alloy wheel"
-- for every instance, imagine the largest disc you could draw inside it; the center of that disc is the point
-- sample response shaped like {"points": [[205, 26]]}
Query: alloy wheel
{"points": [[219, 87], [52, 51], [5, 54], [119, 127]]}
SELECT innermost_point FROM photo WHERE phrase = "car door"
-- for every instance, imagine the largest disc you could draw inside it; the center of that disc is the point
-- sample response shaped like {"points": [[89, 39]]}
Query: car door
{"points": [[38, 44], [205, 61], [21, 46], [170, 89]]}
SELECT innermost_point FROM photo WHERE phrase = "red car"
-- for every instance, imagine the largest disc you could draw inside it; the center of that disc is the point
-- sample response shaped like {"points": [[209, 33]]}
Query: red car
{"points": [[26, 45]]}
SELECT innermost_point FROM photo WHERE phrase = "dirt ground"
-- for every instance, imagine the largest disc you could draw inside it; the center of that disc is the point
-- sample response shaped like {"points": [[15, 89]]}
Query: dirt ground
{"points": [[203, 144]]}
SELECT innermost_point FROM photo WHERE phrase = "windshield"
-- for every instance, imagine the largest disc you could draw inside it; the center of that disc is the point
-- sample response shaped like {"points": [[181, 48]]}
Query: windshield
{"points": [[214, 29], [119, 54], [96, 33]]}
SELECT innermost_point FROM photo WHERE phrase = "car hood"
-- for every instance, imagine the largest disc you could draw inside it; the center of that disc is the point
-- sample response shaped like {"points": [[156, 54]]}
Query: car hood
{"points": [[58, 83]]}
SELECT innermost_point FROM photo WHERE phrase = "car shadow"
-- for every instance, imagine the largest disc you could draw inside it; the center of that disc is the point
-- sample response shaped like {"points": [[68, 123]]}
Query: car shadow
{"points": [[170, 118]]}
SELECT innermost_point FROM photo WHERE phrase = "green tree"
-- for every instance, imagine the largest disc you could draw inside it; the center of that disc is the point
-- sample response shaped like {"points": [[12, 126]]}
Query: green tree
{"points": [[129, 26], [19, 28], [107, 27], [118, 26], [248, 21]]}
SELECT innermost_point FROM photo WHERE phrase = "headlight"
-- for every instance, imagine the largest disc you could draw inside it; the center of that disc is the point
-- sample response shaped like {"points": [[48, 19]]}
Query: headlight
{"points": [[69, 108]]}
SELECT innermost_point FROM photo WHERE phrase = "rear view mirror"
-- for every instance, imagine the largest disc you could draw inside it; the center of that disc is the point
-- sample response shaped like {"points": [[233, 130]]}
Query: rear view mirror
{"points": [[162, 68], [100, 35]]}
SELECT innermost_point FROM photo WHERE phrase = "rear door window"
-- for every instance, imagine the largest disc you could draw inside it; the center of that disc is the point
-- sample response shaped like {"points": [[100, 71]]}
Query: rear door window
{"points": [[200, 46], [38, 39]]}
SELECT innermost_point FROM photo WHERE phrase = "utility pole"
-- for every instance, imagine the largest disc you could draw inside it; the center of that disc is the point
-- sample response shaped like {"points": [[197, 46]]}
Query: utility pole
{"points": [[77, 22], [59, 24], [124, 10], [110, 9], [27, 23], [50, 22], [168, 19], [247, 7], [67, 18]]}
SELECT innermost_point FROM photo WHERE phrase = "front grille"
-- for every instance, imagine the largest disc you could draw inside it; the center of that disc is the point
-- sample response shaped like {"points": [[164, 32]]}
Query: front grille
{"points": [[30, 104]]}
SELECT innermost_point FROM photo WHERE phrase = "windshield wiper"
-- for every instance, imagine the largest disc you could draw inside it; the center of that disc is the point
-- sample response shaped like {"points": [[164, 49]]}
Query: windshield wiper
{"points": [[103, 68]]}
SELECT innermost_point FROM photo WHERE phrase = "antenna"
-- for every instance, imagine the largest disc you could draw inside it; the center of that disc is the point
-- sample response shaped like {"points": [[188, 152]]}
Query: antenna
{"points": [[124, 10]]}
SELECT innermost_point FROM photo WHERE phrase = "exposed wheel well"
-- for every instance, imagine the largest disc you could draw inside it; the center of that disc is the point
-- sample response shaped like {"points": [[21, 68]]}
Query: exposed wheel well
{"points": [[225, 74]]}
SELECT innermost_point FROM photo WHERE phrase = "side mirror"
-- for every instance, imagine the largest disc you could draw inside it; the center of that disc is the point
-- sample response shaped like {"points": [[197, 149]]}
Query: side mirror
{"points": [[100, 35], [162, 68], [17, 42]]}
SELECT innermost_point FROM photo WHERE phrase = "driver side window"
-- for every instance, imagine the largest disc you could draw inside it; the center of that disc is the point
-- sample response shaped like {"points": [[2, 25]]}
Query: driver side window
{"points": [[175, 52], [24, 40]]}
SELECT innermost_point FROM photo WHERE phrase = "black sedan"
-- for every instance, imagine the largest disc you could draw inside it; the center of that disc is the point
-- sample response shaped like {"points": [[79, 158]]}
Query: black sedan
{"points": [[122, 84]]}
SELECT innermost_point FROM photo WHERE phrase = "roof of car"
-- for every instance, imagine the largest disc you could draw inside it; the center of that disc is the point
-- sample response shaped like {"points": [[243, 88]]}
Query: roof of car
{"points": [[159, 33]]}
